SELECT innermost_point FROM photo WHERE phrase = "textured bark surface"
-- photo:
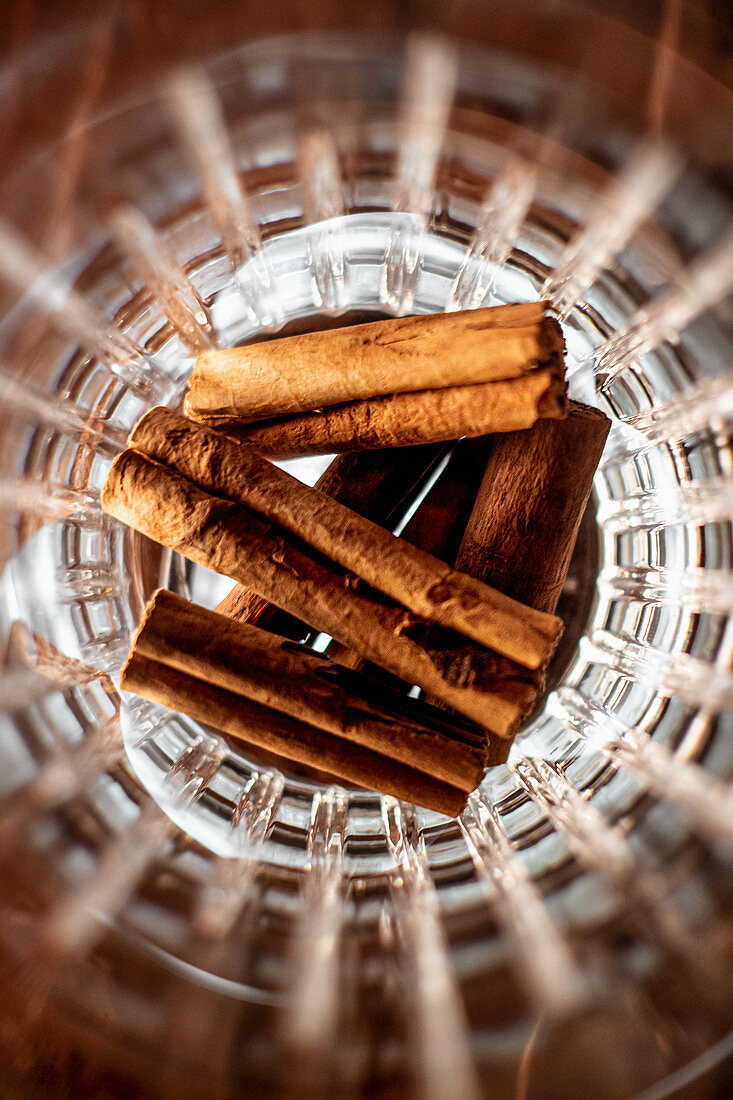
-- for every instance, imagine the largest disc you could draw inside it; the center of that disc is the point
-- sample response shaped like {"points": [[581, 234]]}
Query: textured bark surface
{"points": [[264, 728], [425, 586], [230, 539], [264, 669], [378, 485], [438, 523], [408, 419], [403, 354], [522, 531]]}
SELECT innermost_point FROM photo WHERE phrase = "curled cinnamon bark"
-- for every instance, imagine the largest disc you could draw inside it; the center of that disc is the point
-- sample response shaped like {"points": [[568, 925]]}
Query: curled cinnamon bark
{"points": [[378, 485], [306, 372], [522, 530], [407, 419], [523, 527], [520, 536], [258, 666], [263, 728], [425, 586], [228, 538]]}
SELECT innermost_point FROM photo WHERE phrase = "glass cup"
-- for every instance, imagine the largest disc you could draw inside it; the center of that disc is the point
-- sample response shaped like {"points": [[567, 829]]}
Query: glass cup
{"points": [[180, 915]]}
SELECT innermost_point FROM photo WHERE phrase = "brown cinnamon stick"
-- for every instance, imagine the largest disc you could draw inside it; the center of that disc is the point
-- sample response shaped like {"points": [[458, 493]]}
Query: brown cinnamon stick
{"points": [[522, 530], [266, 729], [438, 523], [523, 526], [407, 419], [378, 485], [302, 373], [422, 584], [264, 669], [228, 538]]}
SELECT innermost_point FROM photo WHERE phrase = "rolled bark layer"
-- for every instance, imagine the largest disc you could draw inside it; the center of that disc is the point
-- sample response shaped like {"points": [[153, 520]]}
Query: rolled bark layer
{"points": [[266, 729], [229, 539], [422, 584], [377, 485], [264, 669], [523, 527], [301, 373], [408, 419]]}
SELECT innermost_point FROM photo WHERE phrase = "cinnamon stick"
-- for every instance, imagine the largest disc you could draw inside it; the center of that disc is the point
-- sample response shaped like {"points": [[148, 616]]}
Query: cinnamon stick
{"points": [[229, 539], [525, 521], [302, 373], [521, 534], [438, 523], [422, 584], [266, 729], [258, 666], [378, 485], [407, 419], [523, 527]]}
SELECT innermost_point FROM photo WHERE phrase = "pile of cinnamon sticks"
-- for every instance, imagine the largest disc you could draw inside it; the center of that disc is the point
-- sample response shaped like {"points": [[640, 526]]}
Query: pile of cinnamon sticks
{"points": [[460, 606]]}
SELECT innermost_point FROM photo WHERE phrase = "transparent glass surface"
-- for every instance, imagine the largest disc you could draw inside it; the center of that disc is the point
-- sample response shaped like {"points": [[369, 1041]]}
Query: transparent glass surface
{"points": [[179, 915]]}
